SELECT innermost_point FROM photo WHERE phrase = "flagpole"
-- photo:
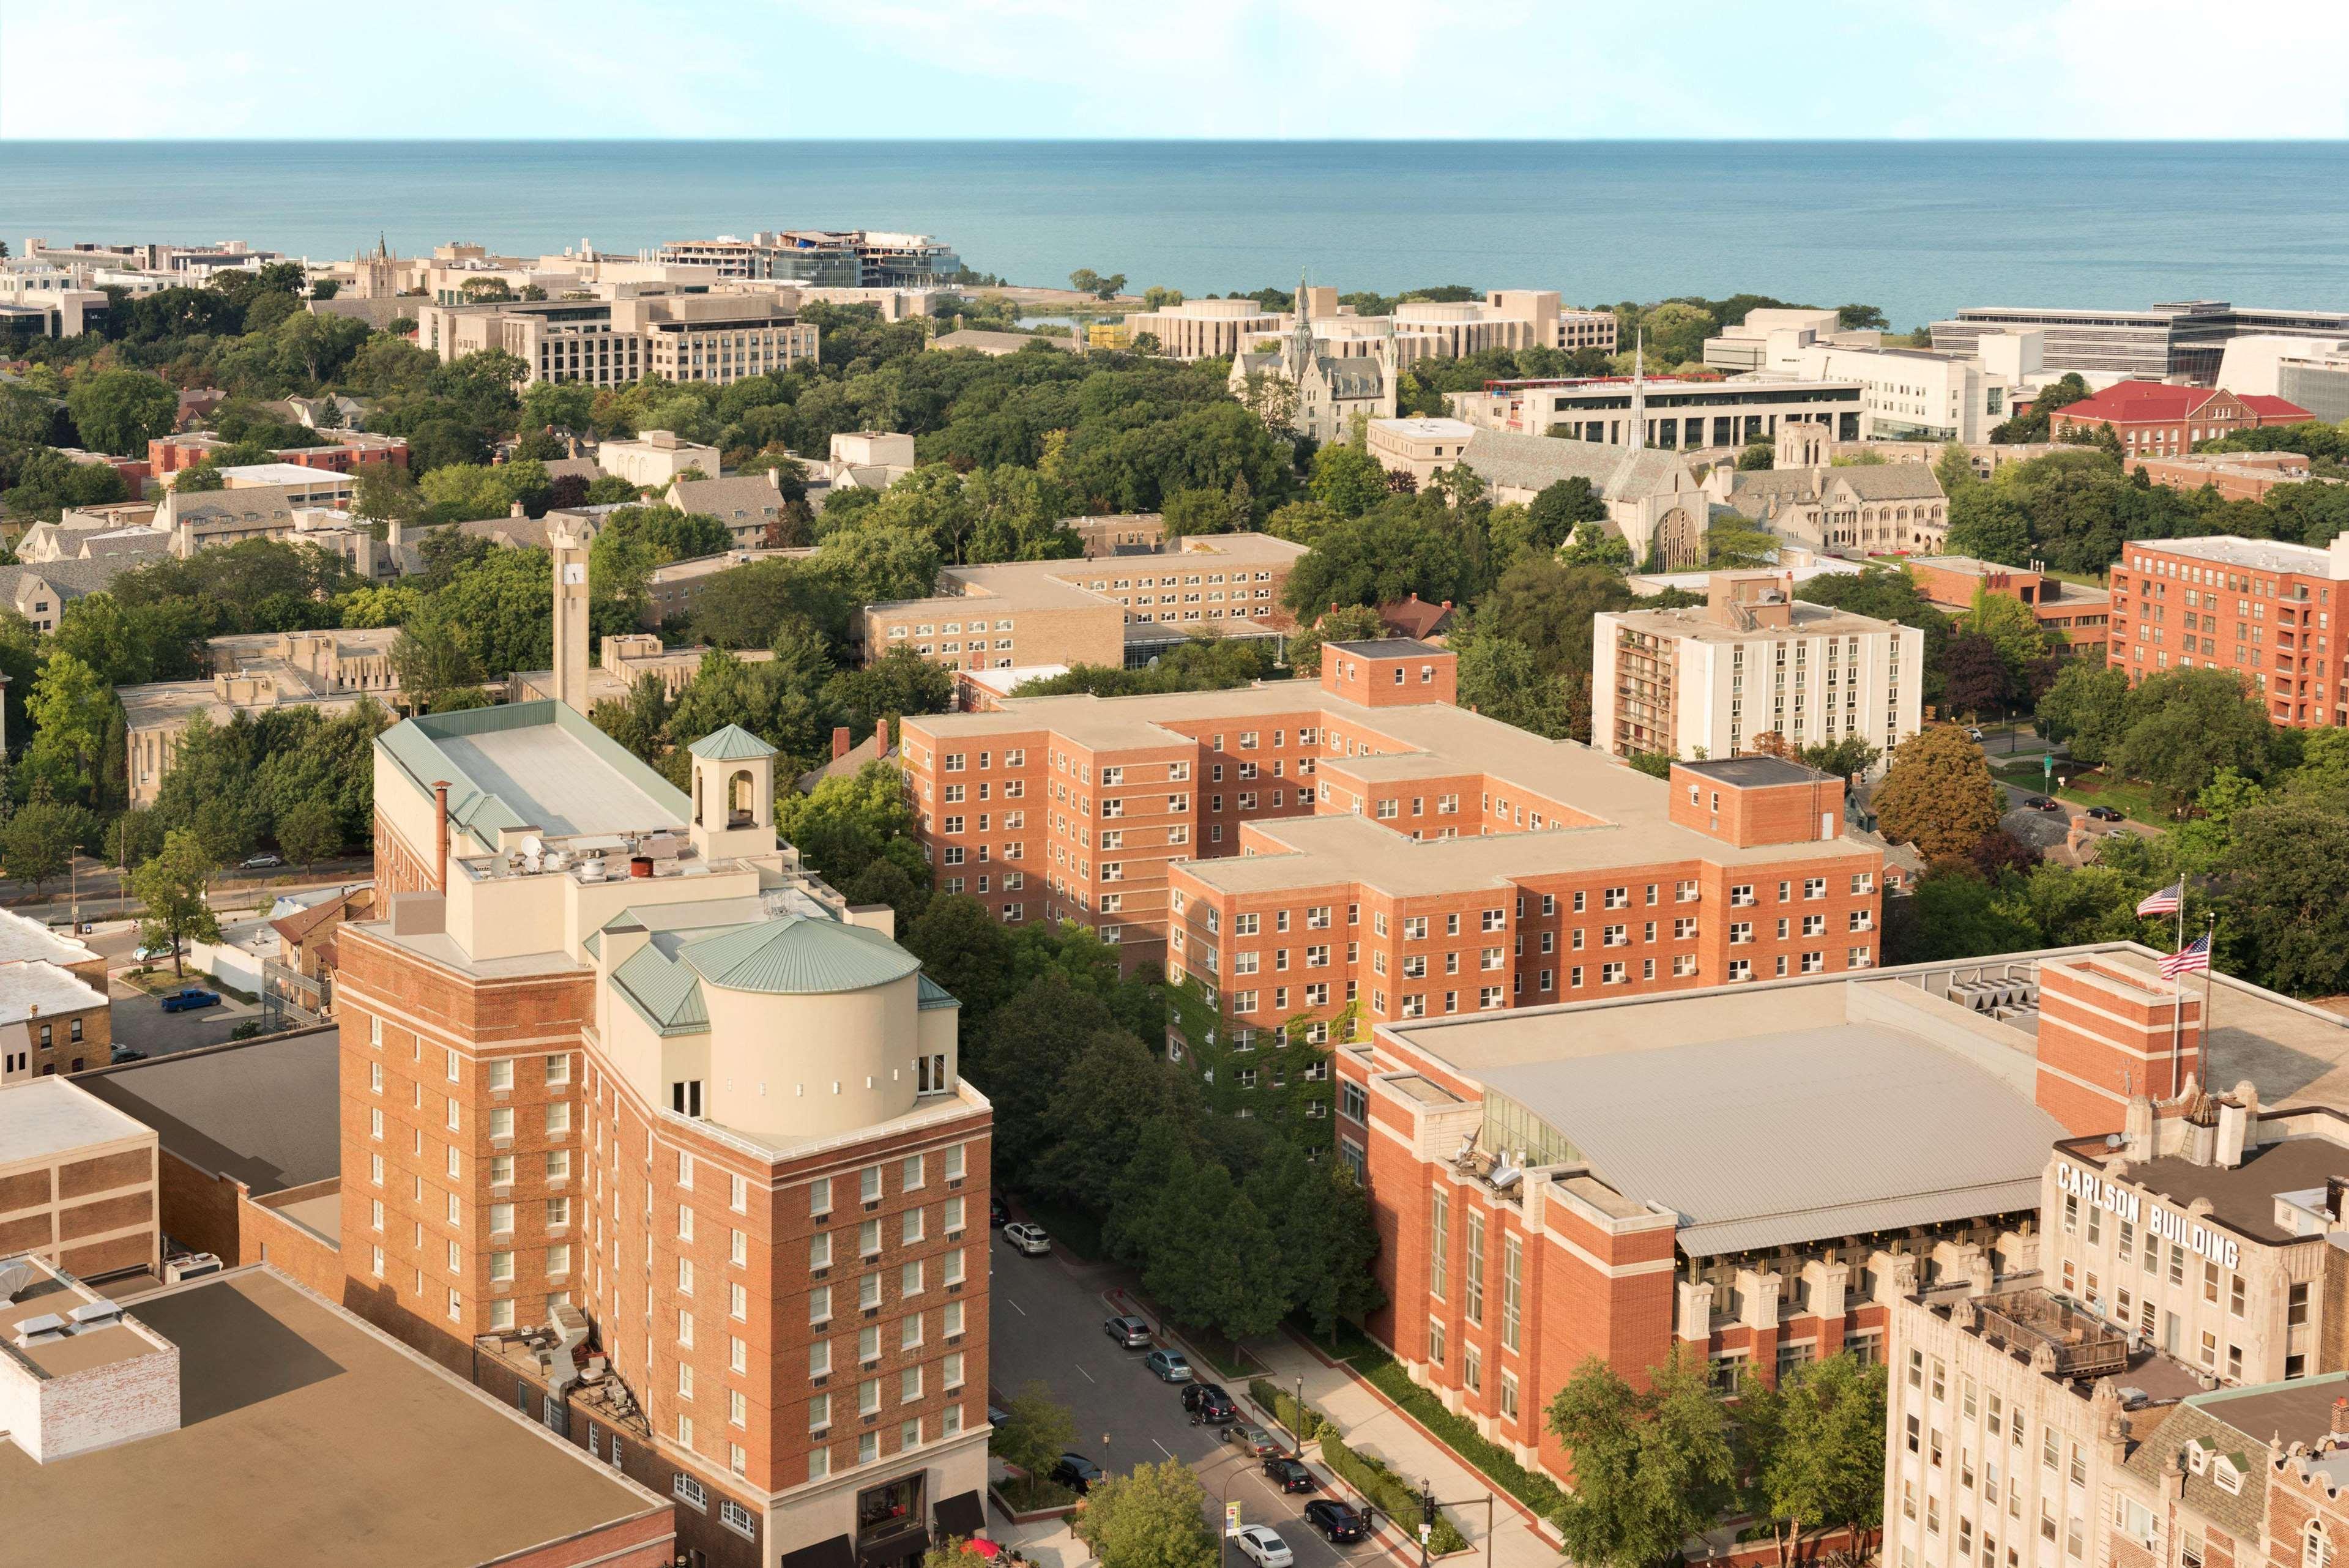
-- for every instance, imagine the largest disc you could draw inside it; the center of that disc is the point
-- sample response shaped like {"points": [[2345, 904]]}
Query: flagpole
{"points": [[2210, 983], [2178, 1000]]}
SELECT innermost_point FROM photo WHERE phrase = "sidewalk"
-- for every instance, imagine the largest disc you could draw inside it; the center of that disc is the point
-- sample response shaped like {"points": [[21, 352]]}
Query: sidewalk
{"points": [[1371, 1425]]}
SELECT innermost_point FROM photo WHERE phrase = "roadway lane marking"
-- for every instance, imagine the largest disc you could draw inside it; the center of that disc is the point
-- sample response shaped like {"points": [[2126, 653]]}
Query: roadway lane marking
{"points": [[1162, 1447], [1080, 1371], [1016, 1307]]}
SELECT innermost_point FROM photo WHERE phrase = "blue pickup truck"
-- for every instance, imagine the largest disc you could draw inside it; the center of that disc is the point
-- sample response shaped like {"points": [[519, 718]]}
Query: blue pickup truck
{"points": [[188, 998]]}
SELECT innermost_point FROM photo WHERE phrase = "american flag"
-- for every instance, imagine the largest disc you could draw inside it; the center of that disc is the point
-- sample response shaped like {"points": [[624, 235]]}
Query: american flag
{"points": [[2165, 901], [2194, 956]]}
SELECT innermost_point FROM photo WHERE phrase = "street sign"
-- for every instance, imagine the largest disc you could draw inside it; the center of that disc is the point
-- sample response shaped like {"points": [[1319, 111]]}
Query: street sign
{"points": [[2048, 764], [1231, 1519]]}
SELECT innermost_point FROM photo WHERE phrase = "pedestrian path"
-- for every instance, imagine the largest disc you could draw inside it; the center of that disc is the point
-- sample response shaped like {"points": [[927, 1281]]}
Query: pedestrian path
{"points": [[1372, 1426]]}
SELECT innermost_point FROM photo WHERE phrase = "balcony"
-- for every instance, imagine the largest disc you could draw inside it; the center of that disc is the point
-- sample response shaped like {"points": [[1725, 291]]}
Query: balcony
{"points": [[2039, 1324]]}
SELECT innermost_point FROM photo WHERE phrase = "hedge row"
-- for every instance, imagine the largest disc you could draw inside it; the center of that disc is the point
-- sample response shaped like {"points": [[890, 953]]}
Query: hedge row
{"points": [[1393, 1494], [1304, 1420], [1537, 1492]]}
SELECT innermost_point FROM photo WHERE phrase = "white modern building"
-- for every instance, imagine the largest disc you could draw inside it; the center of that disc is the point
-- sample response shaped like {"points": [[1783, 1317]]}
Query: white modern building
{"points": [[1754, 662]]}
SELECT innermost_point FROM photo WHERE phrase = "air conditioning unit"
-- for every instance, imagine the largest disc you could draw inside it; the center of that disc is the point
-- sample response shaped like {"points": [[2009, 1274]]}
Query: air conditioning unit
{"points": [[194, 1266]]}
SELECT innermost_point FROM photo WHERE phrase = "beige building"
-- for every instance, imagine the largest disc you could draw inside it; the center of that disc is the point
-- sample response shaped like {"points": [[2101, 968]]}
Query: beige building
{"points": [[1419, 329], [749, 504], [719, 334], [252, 672], [1853, 509], [653, 459], [1119, 533], [1755, 663], [52, 1021], [1115, 610], [1299, 386], [866, 460], [1206, 328], [676, 587], [254, 509], [621, 662], [1689, 415], [1418, 446], [77, 1185]]}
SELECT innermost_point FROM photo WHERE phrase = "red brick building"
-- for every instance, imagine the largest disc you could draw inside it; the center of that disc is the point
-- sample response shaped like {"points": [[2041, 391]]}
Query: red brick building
{"points": [[621, 1081], [1751, 1175], [2077, 615], [2257, 607], [351, 451], [2156, 419], [1300, 847]]}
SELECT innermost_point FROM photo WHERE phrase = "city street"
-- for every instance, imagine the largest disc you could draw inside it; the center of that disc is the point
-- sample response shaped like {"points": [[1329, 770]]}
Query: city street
{"points": [[1046, 1326]]}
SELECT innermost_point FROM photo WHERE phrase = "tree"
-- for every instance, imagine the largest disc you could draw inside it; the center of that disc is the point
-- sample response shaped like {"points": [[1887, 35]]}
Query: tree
{"points": [[40, 839], [2288, 875], [2187, 723], [1819, 1460], [1846, 758], [1084, 280], [309, 832], [1861, 318], [1346, 623], [120, 411], [172, 888], [966, 950], [1974, 679], [955, 1553], [1035, 1431], [844, 824], [2087, 709], [1559, 510], [1986, 522], [1152, 1517], [1757, 455], [1097, 1114], [432, 659], [69, 709], [1653, 1467], [1348, 480], [1938, 794], [1734, 545]]}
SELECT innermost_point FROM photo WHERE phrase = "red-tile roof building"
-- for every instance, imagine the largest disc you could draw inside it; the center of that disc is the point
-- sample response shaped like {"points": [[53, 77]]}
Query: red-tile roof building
{"points": [[2154, 418]]}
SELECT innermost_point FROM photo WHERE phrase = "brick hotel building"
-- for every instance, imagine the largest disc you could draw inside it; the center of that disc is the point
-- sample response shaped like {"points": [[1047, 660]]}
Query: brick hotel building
{"points": [[643, 1129], [2256, 606], [1298, 847]]}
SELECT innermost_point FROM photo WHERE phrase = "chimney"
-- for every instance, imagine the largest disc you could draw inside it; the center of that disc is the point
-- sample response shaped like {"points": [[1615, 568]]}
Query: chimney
{"points": [[440, 835], [839, 742], [775, 479], [2340, 1428], [881, 736], [517, 510], [2337, 1191]]}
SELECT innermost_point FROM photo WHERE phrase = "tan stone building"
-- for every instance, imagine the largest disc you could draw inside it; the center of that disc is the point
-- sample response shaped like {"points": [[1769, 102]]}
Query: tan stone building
{"points": [[254, 671], [719, 334], [653, 460], [77, 1185], [1849, 508], [1115, 610], [622, 660]]}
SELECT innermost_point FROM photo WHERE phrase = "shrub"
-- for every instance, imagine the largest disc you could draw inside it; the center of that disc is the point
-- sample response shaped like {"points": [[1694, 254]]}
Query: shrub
{"points": [[1306, 1421], [1389, 1491], [1537, 1491]]}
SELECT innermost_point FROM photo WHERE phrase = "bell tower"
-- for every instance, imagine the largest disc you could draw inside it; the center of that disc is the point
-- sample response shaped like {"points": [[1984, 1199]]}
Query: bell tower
{"points": [[733, 794]]}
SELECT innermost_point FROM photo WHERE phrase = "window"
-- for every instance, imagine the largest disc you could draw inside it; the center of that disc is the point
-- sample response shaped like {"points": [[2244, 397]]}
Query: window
{"points": [[1512, 1266], [1475, 1268], [1439, 1264]]}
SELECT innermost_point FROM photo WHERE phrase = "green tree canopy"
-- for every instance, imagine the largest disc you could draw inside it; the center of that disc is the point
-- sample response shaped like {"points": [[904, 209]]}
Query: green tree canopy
{"points": [[1938, 794]]}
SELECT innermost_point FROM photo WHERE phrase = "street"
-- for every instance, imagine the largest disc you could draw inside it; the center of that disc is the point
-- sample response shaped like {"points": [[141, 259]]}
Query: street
{"points": [[99, 887], [1047, 1327]]}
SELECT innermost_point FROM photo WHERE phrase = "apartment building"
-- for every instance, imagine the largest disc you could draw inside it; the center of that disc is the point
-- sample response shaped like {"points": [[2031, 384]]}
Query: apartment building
{"points": [[1370, 807], [619, 1075], [1693, 683], [716, 335], [254, 673], [1668, 412], [2234, 476], [2185, 338], [1115, 610], [2154, 419], [348, 452], [2079, 616], [2255, 606]]}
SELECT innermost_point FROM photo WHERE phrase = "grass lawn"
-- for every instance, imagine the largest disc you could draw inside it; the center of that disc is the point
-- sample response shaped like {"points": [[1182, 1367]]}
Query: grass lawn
{"points": [[161, 982], [2135, 799]]}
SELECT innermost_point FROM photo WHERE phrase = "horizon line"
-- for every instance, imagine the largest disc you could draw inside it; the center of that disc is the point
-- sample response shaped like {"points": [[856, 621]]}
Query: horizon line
{"points": [[1181, 140]]}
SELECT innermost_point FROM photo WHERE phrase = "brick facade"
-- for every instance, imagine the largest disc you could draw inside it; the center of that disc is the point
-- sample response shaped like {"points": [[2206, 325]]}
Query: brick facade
{"points": [[2263, 610]]}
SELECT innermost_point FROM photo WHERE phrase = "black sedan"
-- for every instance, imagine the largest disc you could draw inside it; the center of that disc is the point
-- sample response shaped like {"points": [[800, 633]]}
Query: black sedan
{"points": [[2106, 814], [1077, 1473], [998, 1212], [1334, 1519], [1209, 1403], [1288, 1475], [2041, 803]]}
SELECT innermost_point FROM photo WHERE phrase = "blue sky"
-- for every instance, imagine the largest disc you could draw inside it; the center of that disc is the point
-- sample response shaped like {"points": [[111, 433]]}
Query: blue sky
{"points": [[2123, 69]]}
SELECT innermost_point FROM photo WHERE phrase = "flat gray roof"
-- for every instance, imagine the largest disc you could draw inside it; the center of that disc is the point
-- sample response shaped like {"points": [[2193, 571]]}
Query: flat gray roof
{"points": [[1727, 1133], [306, 1437], [533, 764], [50, 1116], [267, 1111], [2233, 549]]}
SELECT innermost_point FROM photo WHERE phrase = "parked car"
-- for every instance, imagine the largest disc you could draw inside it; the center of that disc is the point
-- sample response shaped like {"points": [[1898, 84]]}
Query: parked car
{"points": [[1972, 734], [149, 955], [996, 1415], [998, 1212], [261, 861], [1334, 1519], [1077, 1473], [2042, 803], [1210, 1403], [188, 998], [1288, 1475], [1031, 1240], [125, 1054], [1168, 1365], [1131, 1331], [1254, 1440], [1263, 1547], [2106, 814]]}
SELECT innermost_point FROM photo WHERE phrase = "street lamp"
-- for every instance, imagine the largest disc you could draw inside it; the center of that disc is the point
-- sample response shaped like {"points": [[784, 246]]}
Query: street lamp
{"points": [[1426, 1517], [1296, 1425]]}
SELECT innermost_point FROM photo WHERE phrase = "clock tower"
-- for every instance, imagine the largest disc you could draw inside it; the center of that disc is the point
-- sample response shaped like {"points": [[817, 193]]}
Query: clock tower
{"points": [[570, 552]]}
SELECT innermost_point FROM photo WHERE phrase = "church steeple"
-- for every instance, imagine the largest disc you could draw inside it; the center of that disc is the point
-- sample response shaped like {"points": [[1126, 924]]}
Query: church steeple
{"points": [[1638, 432], [1300, 337]]}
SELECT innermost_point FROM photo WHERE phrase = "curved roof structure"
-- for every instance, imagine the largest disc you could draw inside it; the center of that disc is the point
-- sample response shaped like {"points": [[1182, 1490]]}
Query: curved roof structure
{"points": [[797, 956]]}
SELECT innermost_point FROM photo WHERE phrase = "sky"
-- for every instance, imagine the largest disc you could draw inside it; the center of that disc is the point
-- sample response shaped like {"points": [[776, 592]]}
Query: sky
{"points": [[1247, 69]]}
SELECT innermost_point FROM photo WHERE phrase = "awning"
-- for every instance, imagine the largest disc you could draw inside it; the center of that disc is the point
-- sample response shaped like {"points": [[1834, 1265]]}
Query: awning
{"points": [[835, 1553], [961, 1515], [888, 1551]]}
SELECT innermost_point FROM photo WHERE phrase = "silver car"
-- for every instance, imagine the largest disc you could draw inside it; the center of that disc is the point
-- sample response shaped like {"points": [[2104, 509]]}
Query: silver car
{"points": [[1131, 1331]]}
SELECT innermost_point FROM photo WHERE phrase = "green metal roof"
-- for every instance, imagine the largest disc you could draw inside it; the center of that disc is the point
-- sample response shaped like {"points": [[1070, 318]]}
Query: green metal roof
{"points": [[730, 744], [935, 995], [665, 994], [795, 955]]}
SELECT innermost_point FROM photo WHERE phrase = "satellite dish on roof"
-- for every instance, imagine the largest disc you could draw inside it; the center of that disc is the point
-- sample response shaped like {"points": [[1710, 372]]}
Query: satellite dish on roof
{"points": [[532, 844], [2114, 1140]]}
